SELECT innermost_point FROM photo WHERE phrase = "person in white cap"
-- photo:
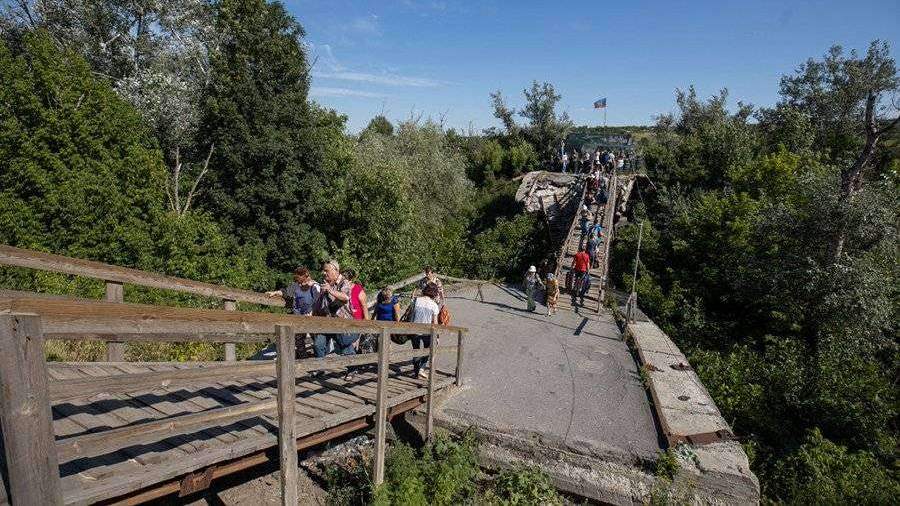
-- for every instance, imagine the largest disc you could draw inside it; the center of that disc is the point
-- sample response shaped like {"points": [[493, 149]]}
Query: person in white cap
{"points": [[532, 282]]}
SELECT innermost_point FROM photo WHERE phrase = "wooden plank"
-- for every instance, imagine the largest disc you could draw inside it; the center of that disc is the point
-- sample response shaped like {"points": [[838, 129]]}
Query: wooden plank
{"points": [[115, 350], [32, 465], [62, 390], [429, 408], [287, 394], [84, 319], [459, 358], [384, 345], [77, 267], [230, 352]]}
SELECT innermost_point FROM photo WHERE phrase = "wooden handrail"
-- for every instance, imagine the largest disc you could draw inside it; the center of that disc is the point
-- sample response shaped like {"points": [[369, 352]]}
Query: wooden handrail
{"points": [[88, 319], [17, 257], [62, 390]]}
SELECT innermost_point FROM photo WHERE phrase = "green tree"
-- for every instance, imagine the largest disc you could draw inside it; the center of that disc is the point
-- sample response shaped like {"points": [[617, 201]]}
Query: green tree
{"points": [[80, 174], [276, 173], [379, 125], [545, 130]]}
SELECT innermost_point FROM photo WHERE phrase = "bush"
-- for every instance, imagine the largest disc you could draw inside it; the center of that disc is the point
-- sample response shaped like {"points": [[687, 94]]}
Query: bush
{"points": [[822, 472], [522, 486]]}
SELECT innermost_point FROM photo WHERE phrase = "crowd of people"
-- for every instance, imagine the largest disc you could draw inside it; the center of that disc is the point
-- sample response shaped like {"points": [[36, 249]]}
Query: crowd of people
{"points": [[341, 295], [578, 280], [589, 161]]}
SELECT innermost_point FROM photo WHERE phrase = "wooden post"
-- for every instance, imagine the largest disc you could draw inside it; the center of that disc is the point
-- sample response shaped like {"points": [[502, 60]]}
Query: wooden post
{"points": [[429, 408], [230, 355], [287, 398], [25, 413], [115, 351], [384, 350], [459, 358]]}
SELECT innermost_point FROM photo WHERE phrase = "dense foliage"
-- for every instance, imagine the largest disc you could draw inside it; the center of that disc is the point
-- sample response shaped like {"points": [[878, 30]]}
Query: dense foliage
{"points": [[798, 347]]}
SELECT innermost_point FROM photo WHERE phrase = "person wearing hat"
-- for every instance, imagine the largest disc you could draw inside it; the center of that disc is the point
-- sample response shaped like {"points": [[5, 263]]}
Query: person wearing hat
{"points": [[532, 282]]}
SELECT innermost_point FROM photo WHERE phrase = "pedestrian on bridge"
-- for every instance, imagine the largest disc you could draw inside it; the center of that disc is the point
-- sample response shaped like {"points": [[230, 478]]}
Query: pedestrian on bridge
{"points": [[335, 301], [531, 284], [580, 267], [584, 224], [551, 293], [388, 306], [425, 310], [430, 278]]}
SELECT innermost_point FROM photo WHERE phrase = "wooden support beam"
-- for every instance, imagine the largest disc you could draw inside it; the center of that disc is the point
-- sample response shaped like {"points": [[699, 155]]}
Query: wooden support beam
{"points": [[459, 358], [287, 398], [115, 350], [18, 257], [31, 461], [230, 354], [384, 345], [429, 409], [83, 319]]}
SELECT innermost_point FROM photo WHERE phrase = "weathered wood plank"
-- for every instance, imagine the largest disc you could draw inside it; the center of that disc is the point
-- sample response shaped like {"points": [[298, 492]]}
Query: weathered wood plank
{"points": [[62, 390], [25, 416], [429, 407], [84, 319], [77, 267], [287, 394], [384, 346], [230, 352], [459, 357], [115, 350]]}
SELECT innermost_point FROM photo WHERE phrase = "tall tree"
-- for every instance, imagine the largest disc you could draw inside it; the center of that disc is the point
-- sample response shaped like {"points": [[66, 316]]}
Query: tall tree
{"points": [[545, 129], [849, 97], [275, 173]]}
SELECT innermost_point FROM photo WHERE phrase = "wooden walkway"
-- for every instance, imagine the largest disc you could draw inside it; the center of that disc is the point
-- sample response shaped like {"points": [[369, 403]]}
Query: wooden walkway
{"points": [[119, 432], [326, 406]]}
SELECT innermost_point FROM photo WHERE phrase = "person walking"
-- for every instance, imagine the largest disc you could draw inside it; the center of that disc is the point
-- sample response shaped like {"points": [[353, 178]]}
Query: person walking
{"points": [[585, 286], [335, 302], [425, 310], [580, 266], [430, 278], [584, 224], [531, 284], [565, 162], [551, 293], [387, 307], [300, 295], [358, 298]]}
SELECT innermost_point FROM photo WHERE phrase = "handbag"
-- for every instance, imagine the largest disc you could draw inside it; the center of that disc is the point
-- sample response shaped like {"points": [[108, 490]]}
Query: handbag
{"points": [[407, 317]]}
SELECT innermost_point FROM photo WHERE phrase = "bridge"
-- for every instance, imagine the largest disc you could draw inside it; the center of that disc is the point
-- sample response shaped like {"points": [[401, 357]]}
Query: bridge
{"points": [[587, 395]]}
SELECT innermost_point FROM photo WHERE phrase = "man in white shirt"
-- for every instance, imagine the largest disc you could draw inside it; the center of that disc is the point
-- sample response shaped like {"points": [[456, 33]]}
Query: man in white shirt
{"points": [[425, 311]]}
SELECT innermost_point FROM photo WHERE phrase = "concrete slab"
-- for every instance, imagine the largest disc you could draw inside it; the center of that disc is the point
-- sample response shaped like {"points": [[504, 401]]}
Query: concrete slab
{"points": [[649, 337], [568, 379]]}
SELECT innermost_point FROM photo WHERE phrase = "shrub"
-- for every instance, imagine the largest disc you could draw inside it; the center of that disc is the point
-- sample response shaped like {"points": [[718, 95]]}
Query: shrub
{"points": [[521, 486]]}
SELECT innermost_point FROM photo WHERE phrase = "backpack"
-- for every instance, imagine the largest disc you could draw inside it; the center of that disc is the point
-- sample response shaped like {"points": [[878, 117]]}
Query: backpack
{"points": [[444, 316]]}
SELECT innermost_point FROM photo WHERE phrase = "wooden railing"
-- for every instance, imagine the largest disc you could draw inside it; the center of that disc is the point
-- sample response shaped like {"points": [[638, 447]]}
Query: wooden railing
{"points": [[608, 219], [115, 277], [32, 453]]}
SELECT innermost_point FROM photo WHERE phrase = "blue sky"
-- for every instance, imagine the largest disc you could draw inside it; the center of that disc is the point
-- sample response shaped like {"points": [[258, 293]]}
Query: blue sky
{"points": [[441, 58]]}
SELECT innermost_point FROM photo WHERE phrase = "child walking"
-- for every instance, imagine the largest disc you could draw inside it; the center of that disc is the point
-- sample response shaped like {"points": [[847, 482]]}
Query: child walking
{"points": [[552, 293]]}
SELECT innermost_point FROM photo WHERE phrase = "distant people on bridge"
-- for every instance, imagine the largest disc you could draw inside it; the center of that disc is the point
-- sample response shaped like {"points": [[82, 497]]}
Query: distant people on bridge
{"points": [[551, 293], [531, 284], [580, 268], [387, 307], [584, 224], [431, 278], [593, 245], [425, 309]]}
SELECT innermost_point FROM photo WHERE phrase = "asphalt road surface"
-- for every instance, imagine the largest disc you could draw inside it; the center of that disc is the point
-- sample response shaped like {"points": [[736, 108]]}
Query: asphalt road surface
{"points": [[566, 380]]}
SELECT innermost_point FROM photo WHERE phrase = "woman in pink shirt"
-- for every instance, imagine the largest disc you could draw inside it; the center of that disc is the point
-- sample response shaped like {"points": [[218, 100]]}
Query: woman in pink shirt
{"points": [[358, 301]]}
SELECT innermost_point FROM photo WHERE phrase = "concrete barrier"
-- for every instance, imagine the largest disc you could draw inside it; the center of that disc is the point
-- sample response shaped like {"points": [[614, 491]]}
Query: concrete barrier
{"points": [[710, 457]]}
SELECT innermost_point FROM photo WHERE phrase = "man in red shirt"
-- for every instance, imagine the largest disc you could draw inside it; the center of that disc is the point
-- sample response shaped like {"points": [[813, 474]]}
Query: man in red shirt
{"points": [[580, 265]]}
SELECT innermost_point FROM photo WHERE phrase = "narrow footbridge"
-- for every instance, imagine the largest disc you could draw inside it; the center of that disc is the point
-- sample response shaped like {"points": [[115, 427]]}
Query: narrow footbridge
{"points": [[127, 432]]}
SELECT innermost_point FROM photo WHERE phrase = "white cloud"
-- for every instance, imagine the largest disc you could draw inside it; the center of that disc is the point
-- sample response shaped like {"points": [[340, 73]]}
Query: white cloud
{"points": [[385, 79], [367, 25], [324, 91]]}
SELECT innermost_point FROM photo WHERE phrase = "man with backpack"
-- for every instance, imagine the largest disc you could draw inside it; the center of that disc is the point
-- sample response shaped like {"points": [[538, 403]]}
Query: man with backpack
{"points": [[300, 295]]}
